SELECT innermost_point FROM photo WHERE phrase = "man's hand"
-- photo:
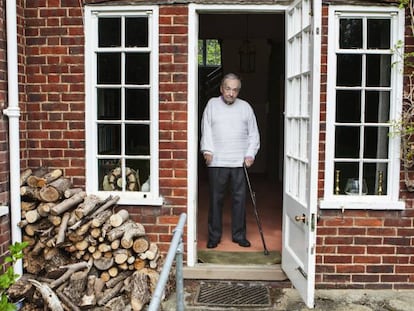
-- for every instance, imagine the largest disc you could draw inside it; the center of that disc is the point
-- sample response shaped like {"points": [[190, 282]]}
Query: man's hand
{"points": [[208, 157], [248, 161]]}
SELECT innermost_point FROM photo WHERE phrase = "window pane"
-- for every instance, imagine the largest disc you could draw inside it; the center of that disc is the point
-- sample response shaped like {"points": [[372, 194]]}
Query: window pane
{"points": [[109, 139], [136, 32], [347, 142], [137, 104], [137, 139], [105, 169], [142, 169], [350, 33], [344, 171], [109, 30], [213, 52], [348, 106], [137, 68], [378, 33], [349, 70], [109, 68], [377, 106], [378, 70], [375, 175], [376, 142], [109, 104]]}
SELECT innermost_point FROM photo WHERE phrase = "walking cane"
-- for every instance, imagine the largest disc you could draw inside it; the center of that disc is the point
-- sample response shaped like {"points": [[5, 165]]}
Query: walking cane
{"points": [[253, 197]]}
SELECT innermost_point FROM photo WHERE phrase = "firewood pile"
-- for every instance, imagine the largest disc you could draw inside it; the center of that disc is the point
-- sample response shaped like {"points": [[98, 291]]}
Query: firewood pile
{"points": [[83, 253]]}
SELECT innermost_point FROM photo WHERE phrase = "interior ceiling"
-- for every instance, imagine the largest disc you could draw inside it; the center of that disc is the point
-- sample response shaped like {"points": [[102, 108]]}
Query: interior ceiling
{"points": [[240, 26]]}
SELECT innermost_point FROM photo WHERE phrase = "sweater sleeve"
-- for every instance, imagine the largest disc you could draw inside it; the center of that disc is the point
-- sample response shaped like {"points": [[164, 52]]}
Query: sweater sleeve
{"points": [[253, 140], [206, 142]]}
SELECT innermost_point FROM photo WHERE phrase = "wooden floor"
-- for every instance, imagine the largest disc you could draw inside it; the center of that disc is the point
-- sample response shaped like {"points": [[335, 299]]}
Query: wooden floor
{"points": [[269, 206]]}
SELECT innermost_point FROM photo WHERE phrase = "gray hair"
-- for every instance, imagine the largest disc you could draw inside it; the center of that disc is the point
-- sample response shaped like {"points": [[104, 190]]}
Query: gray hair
{"points": [[231, 76]]}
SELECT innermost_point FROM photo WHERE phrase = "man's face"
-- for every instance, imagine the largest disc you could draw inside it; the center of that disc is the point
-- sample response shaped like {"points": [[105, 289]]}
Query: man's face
{"points": [[230, 89]]}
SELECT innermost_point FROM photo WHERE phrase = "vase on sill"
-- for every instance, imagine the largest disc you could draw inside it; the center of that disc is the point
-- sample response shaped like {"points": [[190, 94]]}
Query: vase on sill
{"points": [[352, 187]]}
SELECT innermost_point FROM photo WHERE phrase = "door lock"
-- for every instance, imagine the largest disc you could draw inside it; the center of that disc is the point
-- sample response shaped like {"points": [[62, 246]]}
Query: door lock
{"points": [[300, 218]]}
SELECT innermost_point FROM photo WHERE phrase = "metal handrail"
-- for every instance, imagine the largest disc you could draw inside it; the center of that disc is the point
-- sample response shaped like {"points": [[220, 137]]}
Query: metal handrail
{"points": [[176, 249]]}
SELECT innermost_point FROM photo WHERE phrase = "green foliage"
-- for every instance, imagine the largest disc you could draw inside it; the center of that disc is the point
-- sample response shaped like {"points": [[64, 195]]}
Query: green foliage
{"points": [[8, 277]]}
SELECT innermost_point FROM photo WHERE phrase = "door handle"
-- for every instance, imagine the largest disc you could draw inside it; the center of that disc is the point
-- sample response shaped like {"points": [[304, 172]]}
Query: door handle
{"points": [[300, 218]]}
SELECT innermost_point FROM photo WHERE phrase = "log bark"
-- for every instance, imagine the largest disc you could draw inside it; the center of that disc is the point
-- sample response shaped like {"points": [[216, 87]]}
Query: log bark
{"points": [[68, 203], [70, 270], [70, 192], [89, 299], [48, 295], [87, 206], [101, 218], [54, 191], [62, 229], [119, 218], [24, 175], [140, 294], [103, 264]]}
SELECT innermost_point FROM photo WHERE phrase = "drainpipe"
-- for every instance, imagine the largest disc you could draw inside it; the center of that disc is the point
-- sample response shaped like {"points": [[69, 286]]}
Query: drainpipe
{"points": [[13, 113]]}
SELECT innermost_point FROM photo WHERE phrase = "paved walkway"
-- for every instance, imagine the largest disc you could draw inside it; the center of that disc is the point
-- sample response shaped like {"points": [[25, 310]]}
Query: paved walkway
{"points": [[287, 299]]}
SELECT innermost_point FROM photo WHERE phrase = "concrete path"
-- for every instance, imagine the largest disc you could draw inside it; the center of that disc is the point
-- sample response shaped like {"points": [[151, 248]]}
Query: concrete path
{"points": [[288, 299]]}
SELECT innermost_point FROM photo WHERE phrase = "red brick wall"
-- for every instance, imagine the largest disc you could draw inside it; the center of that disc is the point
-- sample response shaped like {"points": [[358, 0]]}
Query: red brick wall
{"points": [[362, 249]]}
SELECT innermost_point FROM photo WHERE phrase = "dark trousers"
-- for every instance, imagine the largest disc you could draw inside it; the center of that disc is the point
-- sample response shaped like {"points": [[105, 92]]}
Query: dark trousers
{"points": [[220, 178]]}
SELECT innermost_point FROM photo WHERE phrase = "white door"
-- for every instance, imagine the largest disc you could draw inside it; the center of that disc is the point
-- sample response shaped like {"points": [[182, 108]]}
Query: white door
{"points": [[301, 146]]}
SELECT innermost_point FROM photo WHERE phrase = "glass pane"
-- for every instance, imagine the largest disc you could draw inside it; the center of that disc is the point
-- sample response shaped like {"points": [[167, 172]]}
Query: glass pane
{"points": [[376, 142], [213, 52], [347, 142], [136, 32], [137, 68], [137, 104], [109, 139], [109, 68], [349, 70], [375, 175], [348, 106], [109, 32], [137, 139], [344, 171], [350, 33], [201, 52], [377, 106], [142, 169], [105, 169], [378, 70], [378, 33], [109, 104]]}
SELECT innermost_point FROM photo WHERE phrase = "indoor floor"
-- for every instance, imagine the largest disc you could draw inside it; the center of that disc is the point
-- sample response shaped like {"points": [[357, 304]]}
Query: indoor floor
{"points": [[269, 206]]}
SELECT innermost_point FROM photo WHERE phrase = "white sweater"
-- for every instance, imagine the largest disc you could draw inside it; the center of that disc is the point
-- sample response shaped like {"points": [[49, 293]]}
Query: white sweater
{"points": [[229, 132]]}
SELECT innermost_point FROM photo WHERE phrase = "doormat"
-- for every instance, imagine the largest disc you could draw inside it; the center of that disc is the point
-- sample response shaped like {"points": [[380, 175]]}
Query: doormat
{"points": [[239, 258], [232, 295]]}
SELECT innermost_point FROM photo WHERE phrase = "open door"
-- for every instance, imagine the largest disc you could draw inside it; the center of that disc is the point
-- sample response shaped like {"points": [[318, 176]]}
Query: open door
{"points": [[301, 146]]}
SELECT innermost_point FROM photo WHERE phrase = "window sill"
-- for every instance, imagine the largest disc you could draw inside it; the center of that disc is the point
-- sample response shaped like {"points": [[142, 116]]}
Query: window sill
{"points": [[374, 203], [137, 198]]}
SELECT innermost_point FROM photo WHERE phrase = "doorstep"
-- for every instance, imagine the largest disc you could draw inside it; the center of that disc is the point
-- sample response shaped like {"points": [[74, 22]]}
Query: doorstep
{"points": [[204, 271]]}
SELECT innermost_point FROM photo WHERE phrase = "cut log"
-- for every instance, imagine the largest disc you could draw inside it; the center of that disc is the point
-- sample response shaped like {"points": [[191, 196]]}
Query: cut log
{"points": [[87, 206], [68, 203], [118, 303], [113, 271], [62, 229], [89, 299], [139, 263], [151, 253], [109, 294], [103, 247], [116, 244], [29, 193], [67, 301], [32, 180], [44, 208], [32, 216], [70, 270], [140, 294], [48, 295], [70, 192], [128, 238], [28, 206], [119, 278], [55, 220], [103, 263], [105, 277], [119, 218], [141, 245], [111, 202], [24, 175], [101, 218], [54, 191], [121, 256]]}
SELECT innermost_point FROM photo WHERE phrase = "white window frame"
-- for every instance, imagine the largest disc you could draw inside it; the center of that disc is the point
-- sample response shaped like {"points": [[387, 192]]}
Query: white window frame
{"points": [[91, 36], [390, 201]]}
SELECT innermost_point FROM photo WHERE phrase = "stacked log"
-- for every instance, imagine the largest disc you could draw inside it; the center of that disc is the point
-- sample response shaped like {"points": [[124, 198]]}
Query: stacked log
{"points": [[84, 252]]}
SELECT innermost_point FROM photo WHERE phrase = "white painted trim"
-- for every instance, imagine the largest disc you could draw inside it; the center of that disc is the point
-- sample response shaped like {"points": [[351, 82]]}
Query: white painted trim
{"points": [[192, 91], [390, 201], [91, 35]]}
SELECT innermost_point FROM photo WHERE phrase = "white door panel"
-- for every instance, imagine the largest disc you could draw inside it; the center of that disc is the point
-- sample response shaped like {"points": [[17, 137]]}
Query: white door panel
{"points": [[301, 146]]}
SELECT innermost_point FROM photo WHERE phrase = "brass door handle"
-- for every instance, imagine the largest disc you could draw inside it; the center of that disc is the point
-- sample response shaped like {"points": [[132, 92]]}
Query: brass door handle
{"points": [[300, 218]]}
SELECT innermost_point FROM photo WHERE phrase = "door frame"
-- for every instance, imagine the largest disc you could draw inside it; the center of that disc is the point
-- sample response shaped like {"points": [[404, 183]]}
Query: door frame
{"points": [[192, 99]]}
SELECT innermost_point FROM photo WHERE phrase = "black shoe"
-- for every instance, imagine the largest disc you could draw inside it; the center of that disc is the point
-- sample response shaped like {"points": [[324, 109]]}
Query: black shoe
{"points": [[243, 243], [212, 244]]}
